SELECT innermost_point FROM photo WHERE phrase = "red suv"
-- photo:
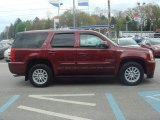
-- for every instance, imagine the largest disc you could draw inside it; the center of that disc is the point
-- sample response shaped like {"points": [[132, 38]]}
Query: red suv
{"points": [[42, 55]]}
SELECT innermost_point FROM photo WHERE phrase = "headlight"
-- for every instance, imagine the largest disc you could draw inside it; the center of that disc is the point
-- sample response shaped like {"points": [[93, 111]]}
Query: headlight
{"points": [[151, 56]]}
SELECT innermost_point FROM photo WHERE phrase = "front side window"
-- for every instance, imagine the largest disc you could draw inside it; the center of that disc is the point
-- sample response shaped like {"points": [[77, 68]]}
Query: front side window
{"points": [[89, 40], [63, 40]]}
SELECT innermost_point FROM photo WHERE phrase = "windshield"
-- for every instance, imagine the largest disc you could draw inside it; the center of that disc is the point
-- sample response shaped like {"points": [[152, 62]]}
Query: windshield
{"points": [[126, 42], [155, 41]]}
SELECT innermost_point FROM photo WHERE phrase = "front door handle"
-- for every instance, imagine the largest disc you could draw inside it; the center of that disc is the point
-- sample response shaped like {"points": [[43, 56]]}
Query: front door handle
{"points": [[83, 54]]}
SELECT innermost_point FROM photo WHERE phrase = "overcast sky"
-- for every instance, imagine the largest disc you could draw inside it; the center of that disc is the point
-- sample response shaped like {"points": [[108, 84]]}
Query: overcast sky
{"points": [[29, 9]]}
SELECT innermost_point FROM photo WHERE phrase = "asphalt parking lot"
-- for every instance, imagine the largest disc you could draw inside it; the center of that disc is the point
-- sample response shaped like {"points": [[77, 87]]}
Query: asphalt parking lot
{"points": [[78, 99]]}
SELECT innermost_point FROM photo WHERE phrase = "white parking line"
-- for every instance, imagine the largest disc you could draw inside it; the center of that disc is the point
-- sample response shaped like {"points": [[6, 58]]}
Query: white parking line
{"points": [[65, 95], [46, 97], [156, 95], [153, 97], [69, 117]]}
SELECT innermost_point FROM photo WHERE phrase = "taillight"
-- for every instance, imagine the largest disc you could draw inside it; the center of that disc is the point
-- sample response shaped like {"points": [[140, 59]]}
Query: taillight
{"points": [[12, 55]]}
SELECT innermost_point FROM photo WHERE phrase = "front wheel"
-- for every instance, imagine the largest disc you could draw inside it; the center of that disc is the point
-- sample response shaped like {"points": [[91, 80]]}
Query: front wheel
{"points": [[131, 73], [40, 75]]}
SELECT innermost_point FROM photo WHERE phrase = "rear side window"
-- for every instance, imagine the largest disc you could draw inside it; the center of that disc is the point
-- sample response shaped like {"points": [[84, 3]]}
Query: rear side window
{"points": [[63, 40], [29, 40]]}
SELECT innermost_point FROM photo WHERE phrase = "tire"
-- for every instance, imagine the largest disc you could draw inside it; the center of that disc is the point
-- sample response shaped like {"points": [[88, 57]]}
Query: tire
{"points": [[131, 74], [40, 75]]}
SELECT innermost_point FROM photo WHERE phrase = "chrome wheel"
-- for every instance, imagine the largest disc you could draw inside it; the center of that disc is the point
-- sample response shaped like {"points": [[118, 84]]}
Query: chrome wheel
{"points": [[40, 76], [132, 74]]}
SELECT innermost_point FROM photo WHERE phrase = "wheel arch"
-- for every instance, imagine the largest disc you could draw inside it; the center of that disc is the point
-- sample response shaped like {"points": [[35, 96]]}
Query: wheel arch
{"points": [[33, 62], [137, 60]]}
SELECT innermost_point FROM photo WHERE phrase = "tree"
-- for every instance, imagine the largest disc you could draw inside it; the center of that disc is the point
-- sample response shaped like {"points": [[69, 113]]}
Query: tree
{"points": [[15, 25], [48, 24], [28, 25], [100, 12], [2, 35], [11, 31], [36, 25], [66, 19], [82, 19], [20, 27]]}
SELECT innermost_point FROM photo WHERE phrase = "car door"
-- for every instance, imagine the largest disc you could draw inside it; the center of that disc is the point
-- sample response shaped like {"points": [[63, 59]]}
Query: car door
{"points": [[63, 53], [92, 59]]}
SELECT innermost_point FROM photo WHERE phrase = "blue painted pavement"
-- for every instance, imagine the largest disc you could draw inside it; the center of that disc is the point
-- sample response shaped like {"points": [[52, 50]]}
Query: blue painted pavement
{"points": [[9, 103], [116, 109], [152, 98]]}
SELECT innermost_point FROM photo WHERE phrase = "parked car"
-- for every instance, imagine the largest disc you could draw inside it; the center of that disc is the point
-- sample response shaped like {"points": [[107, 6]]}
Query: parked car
{"points": [[1, 51], [3, 47], [129, 42], [44, 54], [7, 54], [138, 39], [153, 44], [7, 42]]}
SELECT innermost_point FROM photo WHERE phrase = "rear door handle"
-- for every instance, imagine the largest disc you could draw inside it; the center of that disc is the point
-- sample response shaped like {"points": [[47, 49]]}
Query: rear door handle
{"points": [[52, 52]]}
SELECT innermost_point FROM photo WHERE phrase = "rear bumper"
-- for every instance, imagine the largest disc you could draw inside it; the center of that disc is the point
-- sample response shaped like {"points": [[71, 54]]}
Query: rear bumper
{"points": [[150, 68], [17, 68]]}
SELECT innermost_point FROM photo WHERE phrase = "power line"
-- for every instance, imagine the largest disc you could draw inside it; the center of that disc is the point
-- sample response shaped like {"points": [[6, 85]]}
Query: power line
{"points": [[25, 10], [19, 15]]}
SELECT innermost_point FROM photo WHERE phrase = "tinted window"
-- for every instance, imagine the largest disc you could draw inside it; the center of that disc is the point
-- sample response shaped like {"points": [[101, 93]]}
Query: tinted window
{"points": [[29, 40], [89, 40], [156, 35], [63, 40]]}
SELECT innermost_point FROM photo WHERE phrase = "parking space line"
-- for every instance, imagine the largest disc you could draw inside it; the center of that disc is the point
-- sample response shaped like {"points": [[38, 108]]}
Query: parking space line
{"points": [[117, 111], [69, 117], [65, 95], [47, 97], [9, 103]]}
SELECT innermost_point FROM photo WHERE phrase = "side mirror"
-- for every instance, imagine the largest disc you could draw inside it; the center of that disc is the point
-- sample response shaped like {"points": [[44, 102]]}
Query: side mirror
{"points": [[105, 45]]}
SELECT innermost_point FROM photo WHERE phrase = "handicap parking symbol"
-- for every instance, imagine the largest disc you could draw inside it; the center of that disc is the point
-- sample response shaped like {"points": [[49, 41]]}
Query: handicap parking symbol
{"points": [[153, 98]]}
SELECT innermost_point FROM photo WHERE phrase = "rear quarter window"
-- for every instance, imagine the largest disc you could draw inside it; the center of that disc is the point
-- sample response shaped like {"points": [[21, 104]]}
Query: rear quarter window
{"points": [[29, 40]]}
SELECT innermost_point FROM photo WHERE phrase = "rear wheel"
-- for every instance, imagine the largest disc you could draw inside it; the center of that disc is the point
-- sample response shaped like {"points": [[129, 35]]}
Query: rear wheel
{"points": [[131, 73], [40, 75]]}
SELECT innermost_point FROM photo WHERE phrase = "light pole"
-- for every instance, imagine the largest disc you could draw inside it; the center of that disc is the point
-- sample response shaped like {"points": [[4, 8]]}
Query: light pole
{"points": [[74, 14], [141, 14], [109, 18]]}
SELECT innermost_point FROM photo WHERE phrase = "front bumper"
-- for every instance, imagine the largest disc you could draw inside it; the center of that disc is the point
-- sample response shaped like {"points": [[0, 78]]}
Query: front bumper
{"points": [[150, 68]]}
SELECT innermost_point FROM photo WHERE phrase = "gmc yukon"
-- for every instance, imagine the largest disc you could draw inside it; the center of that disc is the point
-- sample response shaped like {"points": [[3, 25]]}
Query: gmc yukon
{"points": [[42, 55]]}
